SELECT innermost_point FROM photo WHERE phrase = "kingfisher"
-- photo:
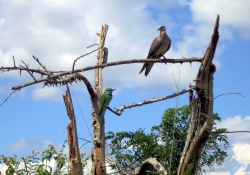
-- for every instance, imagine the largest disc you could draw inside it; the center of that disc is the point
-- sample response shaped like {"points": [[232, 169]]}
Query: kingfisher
{"points": [[106, 98]]}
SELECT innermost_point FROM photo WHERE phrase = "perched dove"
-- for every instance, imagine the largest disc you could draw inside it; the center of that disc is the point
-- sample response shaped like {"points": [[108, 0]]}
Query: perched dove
{"points": [[159, 47]]}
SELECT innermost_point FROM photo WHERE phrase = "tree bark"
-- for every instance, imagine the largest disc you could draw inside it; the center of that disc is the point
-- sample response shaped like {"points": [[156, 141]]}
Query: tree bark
{"points": [[98, 155], [201, 108], [74, 153]]}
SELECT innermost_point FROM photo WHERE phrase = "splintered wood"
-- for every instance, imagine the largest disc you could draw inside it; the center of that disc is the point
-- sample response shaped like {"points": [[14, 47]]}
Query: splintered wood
{"points": [[74, 154]]}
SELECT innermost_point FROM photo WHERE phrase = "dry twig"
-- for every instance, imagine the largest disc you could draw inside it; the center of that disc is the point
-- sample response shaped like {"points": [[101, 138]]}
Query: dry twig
{"points": [[81, 57], [8, 97], [28, 70], [237, 93], [92, 45]]}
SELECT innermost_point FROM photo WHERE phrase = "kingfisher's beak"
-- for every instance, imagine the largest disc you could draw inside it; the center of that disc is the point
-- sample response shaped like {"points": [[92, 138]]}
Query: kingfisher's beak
{"points": [[113, 89]]}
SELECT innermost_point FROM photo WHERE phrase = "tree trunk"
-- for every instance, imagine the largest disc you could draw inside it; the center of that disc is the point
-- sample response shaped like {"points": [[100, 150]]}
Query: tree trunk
{"points": [[201, 108], [98, 155], [74, 153]]}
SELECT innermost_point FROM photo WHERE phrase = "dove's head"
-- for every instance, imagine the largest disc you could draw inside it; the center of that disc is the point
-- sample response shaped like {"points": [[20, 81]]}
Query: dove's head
{"points": [[162, 28]]}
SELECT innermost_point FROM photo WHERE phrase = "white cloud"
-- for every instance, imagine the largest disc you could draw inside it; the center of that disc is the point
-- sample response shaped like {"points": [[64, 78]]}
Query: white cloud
{"points": [[3, 168], [48, 93], [237, 161], [233, 13], [203, 11], [218, 173], [242, 155], [44, 29], [29, 144], [237, 123], [57, 38]]}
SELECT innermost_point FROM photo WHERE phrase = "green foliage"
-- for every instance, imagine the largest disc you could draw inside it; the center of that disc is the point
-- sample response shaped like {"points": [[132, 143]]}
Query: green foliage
{"points": [[39, 164], [31, 163], [11, 163], [136, 146]]}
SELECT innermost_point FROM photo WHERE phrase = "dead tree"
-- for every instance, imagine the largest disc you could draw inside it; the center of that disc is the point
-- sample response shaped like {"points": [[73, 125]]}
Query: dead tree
{"points": [[74, 153], [98, 156], [201, 109], [201, 106]]}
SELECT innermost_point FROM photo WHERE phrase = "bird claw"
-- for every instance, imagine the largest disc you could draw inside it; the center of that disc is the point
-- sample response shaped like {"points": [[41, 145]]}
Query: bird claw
{"points": [[164, 59]]}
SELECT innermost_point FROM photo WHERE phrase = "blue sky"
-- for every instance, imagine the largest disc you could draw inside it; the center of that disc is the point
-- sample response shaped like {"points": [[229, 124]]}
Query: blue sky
{"points": [[59, 31]]}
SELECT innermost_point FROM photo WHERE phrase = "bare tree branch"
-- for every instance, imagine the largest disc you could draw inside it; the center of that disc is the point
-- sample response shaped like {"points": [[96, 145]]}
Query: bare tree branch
{"points": [[120, 168], [92, 45], [69, 79], [72, 78], [120, 110], [123, 169], [88, 85], [8, 97], [28, 70], [150, 162], [25, 164], [48, 72], [63, 73], [237, 93], [14, 61], [6, 69], [81, 57], [28, 84], [119, 152]]}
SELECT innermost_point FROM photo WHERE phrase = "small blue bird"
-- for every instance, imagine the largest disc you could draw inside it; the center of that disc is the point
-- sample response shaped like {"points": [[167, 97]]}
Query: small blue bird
{"points": [[106, 98]]}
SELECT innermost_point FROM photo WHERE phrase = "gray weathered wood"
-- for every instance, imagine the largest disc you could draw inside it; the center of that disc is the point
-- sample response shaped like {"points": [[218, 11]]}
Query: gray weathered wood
{"points": [[74, 153], [98, 155], [201, 108]]}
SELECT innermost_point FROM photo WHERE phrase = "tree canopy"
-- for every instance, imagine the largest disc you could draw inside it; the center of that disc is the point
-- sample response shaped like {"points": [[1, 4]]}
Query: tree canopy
{"points": [[166, 142]]}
